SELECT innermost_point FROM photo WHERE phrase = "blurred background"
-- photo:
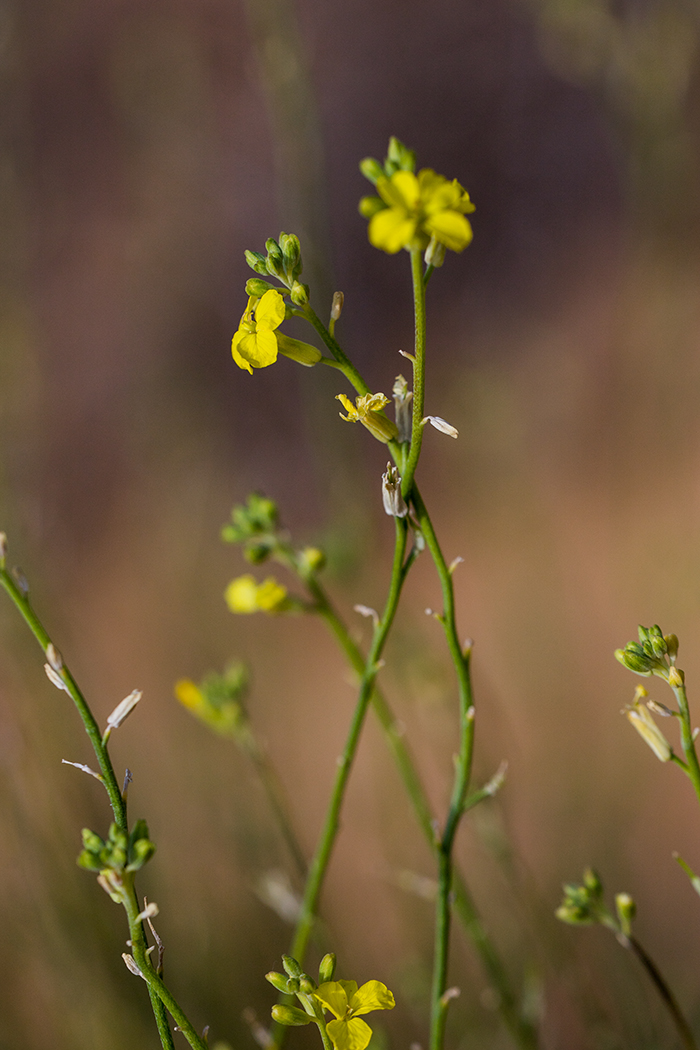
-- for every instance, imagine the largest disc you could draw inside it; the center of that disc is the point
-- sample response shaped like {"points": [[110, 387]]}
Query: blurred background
{"points": [[144, 145]]}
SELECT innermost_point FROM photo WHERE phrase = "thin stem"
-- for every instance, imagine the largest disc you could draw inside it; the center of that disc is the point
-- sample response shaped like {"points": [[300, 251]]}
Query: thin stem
{"points": [[418, 371], [669, 1000], [464, 905], [118, 804], [109, 779], [276, 795], [687, 742], [319, 864], [139, 949], [161, 1016], [349, 370]]}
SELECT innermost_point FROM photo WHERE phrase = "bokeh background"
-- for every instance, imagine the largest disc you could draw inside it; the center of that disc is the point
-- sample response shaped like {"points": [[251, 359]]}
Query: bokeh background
{"points": [[144, 145]]}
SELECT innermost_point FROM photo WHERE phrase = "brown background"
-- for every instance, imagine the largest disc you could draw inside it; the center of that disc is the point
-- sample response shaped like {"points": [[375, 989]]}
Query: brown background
{"points": [[143, 146]]}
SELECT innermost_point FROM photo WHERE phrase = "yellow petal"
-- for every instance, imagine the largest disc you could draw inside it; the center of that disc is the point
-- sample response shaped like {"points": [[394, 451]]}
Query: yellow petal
{"points": [[371, 996], [189, 695], [400, 191], [450, 228], [240, 361], [270, 595], [334, 996], [259, 349], [269, 312], [241, 595], [391, 230], [354, 1034]]}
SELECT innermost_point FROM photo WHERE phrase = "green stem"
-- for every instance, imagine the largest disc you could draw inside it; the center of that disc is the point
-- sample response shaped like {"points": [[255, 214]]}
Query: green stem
{"points": [[667, 996], [418, 371], [109, 779], [118, 804], [687, 742], [276, 795], [465, 907], [349, 370], [319, 864], [161, 1016], [155, 983]]}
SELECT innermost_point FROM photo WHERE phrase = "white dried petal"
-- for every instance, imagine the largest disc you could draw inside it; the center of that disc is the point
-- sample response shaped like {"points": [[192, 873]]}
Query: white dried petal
{"points": [[123, 709], [54, 657], [3, 546], [55, 678], [149, 912], [365, 610], [81, 765], [442, 425], [131, 964]]}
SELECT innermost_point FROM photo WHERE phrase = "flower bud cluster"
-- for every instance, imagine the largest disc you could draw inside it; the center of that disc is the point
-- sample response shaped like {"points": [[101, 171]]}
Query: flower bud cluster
{"points": [[283, 261], [119, 855], [583, 905], [654, 654]]}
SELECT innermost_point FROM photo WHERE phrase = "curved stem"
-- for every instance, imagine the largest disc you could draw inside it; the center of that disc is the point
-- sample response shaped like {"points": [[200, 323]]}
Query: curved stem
{"points": [[108, 777], [669, 999], [320, 861]]}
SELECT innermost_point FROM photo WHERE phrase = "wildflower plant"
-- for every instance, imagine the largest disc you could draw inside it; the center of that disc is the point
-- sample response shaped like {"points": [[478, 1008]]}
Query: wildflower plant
{"points": [[423, 214]]}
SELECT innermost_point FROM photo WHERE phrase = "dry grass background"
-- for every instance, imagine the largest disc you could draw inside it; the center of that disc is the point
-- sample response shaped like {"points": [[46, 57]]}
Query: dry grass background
{"points": [[143, 146]]}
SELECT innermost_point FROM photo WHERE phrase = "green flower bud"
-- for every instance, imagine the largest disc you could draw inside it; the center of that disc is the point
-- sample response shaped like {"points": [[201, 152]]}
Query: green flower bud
{"points": [[140, 854], [278, 981], [89, 861], [671, 645], [307, 985], [626, 910], [291, 966], [371, 169], [592, 883], [369, 206], [257, 551], [299, 295], [676, 677], [302, 353], [291, 254], [310, 560], [256, 261], [290, 1015], [256, 286], [634, 659], [327, 968], [400, 156], [657, 642], [92, 841], [274, 261]]}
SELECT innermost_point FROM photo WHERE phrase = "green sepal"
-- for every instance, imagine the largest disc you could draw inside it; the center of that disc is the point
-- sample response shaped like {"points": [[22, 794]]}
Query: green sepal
{"points": [[400, 157], [303, 353], [89, 861], [371, 169], [92, 841], [256, 286], [369, 206], [290, 1016], [299, 294], [307, 985], [274, 263], [291, 966], [256, 261], [291, 255], [326, 968], [278, 981]]}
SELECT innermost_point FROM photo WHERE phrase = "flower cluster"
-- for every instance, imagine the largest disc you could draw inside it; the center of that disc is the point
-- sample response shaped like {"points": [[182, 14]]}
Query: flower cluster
{"points": [[245, 595], [218, 701], [424, 211]]}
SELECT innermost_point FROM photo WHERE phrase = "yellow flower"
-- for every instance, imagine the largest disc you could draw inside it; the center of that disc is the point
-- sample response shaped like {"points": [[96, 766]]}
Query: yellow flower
{"points": [[255, 344], [246, 595], [413, 209], [368, 411], [346, 1002]]}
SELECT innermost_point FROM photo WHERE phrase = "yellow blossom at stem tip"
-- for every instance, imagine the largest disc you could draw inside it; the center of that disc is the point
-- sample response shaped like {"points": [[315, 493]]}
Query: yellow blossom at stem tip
{"points": [[346, 1001], [368, 411], [245, 595], [413, 210]]}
